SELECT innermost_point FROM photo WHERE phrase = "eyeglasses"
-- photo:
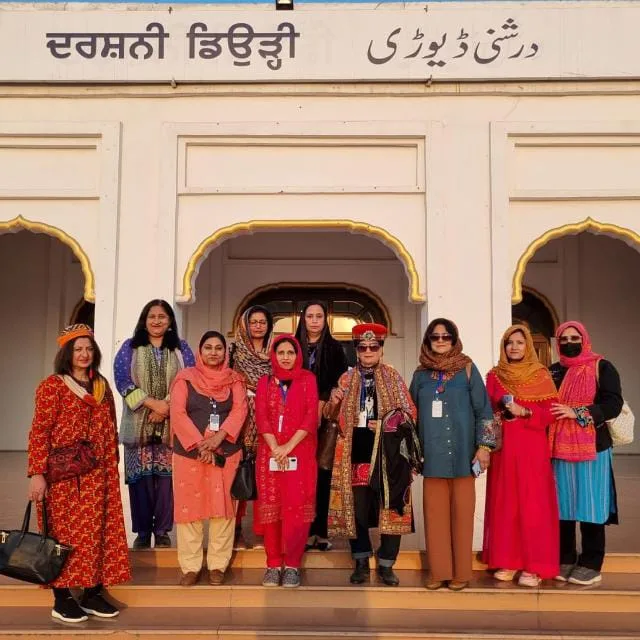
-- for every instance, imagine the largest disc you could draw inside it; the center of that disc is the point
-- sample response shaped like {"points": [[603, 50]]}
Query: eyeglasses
{"points": [[445, 337], [258, 323], [566, 339], [363, 348]]}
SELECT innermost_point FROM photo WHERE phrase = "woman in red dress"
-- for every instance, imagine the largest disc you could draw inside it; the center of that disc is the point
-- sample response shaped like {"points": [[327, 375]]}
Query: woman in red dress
{"points": [[85, 511], [286, 469], [521, 527]]}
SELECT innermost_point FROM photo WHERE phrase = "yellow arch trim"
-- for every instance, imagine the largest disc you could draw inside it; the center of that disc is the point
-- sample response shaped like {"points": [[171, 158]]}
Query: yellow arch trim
{"points": [[19, 223], [546, 302], [224, 233], [589, 224]]}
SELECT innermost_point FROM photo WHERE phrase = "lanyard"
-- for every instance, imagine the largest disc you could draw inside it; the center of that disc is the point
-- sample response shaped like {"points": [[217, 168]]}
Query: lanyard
{"points": [[440, 387]]}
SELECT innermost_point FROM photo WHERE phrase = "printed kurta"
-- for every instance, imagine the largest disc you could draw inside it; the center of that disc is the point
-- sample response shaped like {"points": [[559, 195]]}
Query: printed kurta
{"points": [[293, 492], [83, 512], [203, 491], [521, 528]]}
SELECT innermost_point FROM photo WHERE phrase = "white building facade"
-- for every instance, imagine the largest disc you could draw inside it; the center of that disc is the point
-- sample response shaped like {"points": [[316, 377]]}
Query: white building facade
{"points": [[499, 159]]}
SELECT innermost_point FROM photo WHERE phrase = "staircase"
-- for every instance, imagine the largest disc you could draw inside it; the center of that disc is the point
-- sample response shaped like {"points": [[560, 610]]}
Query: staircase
{"points": [[327, 606]]}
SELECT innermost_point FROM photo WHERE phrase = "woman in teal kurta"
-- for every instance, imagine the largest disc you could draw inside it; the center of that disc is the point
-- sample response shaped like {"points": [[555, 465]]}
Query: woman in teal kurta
{"points": [[455, 426]]}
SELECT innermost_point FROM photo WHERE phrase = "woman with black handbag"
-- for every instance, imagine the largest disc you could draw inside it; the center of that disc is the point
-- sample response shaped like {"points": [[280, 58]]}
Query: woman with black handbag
{"points": [[208, 409], [324, 356], [73, 460]]}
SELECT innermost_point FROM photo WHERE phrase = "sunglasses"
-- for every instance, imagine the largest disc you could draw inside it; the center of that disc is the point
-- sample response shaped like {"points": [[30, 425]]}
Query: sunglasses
{"points": [[363, 348], [445, 337], [566, 339]]}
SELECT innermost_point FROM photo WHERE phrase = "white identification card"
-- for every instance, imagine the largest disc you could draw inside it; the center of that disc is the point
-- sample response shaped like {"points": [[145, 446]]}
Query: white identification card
{"points": [[214, 422], [362, 420], [280, 421], [436, 409]]}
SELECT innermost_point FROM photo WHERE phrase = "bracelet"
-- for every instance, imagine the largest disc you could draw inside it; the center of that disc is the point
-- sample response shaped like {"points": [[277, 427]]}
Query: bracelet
{"points": [[484, 447]]}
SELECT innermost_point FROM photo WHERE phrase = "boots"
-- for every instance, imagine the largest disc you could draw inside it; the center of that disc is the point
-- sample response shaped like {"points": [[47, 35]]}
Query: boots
{"points": [[361, 571], [387, 575]]}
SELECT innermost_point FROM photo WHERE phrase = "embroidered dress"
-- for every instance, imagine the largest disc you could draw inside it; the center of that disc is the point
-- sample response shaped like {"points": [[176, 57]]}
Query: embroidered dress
{"points": [[84, 512]]}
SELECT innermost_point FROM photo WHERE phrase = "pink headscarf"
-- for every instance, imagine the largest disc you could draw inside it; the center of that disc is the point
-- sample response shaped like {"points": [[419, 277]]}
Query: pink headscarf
{"points": [[215, 383], [569, 441]]}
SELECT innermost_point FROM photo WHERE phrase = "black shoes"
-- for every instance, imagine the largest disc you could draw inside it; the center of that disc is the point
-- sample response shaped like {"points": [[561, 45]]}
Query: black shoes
{"points": [[142, 542], [387, 576], [361, 571], [96, 605], [163, 541], [68, 610]]}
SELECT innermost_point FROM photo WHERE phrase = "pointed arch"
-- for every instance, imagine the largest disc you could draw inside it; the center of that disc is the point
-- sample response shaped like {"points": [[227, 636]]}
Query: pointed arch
{"points": [[588, 224], [23, 224], [252, 226]]}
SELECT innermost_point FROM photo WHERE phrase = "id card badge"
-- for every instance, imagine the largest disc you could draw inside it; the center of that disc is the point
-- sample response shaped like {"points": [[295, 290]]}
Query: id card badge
{"points": [[214, 422], [362, 420], [436, 409], [280, 421]]}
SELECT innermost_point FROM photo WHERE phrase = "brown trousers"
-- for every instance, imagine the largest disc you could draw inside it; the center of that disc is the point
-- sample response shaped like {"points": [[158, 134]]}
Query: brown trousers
{"points": [[448, 507]]}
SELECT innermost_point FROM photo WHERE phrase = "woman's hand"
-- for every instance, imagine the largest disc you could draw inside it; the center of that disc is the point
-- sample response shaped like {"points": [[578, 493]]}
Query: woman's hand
{"points": [[563, 411], [483, 457], [156, 418], [281, 455], [515, 409], [160, 407], [37, 487], [206, 457], [213, 442], [337, 395]]}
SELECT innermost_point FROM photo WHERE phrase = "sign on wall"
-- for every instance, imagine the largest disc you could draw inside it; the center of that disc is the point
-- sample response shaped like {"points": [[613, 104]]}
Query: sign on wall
{"points": [[500, 41]]}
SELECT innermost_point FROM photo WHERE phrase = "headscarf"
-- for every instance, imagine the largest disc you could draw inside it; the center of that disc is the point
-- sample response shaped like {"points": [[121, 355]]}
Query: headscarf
{"points": [[215, 383], [286, 374], [526, 379], [253, 364], [303, 338], [450, 362], [569, 441]]}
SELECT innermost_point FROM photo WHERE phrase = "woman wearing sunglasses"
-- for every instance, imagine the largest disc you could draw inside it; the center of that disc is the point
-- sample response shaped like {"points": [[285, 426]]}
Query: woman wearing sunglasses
{"points": [[455, 423], [360, 403]]}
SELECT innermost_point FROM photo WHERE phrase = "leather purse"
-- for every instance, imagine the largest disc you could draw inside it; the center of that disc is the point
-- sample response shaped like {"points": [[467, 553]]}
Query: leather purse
{"points": [[32, 557], [244, 484], [327, 438], [72, 461]]}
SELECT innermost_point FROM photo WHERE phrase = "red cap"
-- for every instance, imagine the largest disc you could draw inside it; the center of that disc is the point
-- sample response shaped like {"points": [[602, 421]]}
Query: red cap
{"points": [[369, 331]]}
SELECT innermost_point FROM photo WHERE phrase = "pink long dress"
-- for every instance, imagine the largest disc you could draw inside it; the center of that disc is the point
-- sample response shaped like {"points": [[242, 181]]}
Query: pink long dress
{"points": [[521, 526]]}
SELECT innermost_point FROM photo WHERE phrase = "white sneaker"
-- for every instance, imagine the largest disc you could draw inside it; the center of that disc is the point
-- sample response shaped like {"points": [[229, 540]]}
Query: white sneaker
{"points": [[505, 575], [529, 580]]}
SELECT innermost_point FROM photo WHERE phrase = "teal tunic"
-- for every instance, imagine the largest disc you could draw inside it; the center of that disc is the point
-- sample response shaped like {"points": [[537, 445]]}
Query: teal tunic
{"points": [[449, 443]]}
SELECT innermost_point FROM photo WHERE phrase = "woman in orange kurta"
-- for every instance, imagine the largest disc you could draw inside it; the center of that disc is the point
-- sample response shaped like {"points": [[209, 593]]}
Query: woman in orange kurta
{"points": [[208, 409], [85, 511], [521, 527]]}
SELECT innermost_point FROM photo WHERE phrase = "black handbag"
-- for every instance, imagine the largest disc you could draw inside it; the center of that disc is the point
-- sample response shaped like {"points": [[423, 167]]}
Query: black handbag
{"points": [[32, 557], [244, 484]]}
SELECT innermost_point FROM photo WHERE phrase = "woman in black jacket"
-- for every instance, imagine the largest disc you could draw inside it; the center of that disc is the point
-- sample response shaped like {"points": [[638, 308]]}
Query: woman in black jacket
{"points": [[325, 357]]}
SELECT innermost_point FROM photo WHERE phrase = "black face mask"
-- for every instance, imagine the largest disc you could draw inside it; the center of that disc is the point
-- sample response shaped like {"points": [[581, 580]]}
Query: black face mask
{"points": [[571, 349]]}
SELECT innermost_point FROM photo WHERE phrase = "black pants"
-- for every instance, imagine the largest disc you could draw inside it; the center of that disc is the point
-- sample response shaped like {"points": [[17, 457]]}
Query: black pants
{"points": [[593, 542], [323, 491], [364, 502]]}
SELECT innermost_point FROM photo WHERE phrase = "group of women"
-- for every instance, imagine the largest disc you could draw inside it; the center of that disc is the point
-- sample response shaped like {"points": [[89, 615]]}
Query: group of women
{"points": [[336, 450]]}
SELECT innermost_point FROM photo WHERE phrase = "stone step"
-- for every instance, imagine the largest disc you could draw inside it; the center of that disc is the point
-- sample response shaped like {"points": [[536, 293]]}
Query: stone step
{"points": [[205, 623], [329, 590], [340, 559]]}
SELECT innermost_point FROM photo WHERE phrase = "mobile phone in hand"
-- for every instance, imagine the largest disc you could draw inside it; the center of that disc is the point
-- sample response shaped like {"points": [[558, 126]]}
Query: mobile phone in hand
{"points": [[476, 469]]}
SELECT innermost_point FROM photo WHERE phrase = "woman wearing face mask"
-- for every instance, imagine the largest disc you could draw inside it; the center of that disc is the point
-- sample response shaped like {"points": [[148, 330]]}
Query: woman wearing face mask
{"points": [[521, 512], [208, 408], [590, 394], [250, 356], [287, 421], [455, 423], [324, 356]]}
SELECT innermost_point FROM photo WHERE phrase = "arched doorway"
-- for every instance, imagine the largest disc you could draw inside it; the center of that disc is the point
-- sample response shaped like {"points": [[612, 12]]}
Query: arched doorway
{"points": [[359, 276], [41, 280]]}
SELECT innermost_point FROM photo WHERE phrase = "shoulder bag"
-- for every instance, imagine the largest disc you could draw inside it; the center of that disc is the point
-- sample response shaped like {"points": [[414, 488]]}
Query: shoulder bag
{"points": [[244, 484], [32, 557]]}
